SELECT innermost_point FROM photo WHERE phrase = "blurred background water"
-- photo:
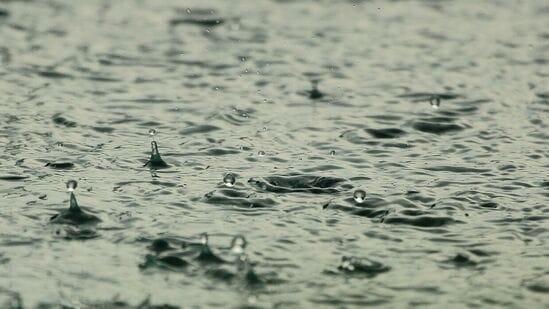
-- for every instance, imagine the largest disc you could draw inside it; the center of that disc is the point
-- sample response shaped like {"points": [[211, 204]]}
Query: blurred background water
{"points": [[383, 153]]}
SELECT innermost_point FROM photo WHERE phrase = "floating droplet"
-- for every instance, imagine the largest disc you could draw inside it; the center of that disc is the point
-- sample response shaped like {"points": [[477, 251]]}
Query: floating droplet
{"points": [[261, 153], [71, 185], [229, 179], [238, 244], [152, 133], [204, 239], [435, 102], [359, 196]]}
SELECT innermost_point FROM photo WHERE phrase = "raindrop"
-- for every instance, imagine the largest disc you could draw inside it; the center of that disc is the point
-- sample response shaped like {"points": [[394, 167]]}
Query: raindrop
{"points": [[359, 196], [238, 244], [315, 93], [71, 185], [229, 179], [188, 11], [261, 153], [347, 263], [204, 239], [152, 133], [435, 102], [332, 153]]}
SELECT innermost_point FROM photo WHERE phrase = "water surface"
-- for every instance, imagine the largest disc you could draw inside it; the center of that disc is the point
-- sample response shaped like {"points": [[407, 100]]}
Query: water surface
{"points": [[455, 212]]}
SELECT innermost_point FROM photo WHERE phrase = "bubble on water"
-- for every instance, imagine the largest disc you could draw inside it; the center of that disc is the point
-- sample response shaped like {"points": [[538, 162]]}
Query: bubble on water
{"points": [[261, 153], [204, 239], [229, 180], [238, 244], [359, 196], [152, 133], [332, 153], [435, 102], [71, 185]]}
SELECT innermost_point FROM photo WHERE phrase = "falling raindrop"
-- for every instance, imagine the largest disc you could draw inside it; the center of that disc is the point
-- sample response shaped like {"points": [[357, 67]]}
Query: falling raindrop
{"points": [[238, 244], [229, 180], [435, 102], [204, 239], [71, 185], [156, 160], [315, 93], [359, 196]]}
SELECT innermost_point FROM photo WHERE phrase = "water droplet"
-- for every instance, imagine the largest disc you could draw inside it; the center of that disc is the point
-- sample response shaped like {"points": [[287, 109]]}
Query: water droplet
{"points": [[347, 263], [238, 244], [261, 153], [188, 11], [71, 185], [204, 239], [152, 133], [333, 153], [229, 179], [435, 102], [359, 196]]}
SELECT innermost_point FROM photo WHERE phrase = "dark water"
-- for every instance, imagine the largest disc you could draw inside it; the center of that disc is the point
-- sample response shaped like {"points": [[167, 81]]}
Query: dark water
{"points": [[456, 205]]}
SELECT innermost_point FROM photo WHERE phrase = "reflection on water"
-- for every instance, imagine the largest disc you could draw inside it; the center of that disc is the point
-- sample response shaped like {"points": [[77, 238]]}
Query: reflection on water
{"points": [[300, 153]]}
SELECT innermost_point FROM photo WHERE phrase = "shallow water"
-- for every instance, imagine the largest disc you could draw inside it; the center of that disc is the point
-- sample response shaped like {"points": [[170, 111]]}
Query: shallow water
{"points": [[456, 204]]}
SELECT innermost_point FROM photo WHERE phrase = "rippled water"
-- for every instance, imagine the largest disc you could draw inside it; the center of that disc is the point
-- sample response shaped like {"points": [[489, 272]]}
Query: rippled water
{"points": [[437, 110]]}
